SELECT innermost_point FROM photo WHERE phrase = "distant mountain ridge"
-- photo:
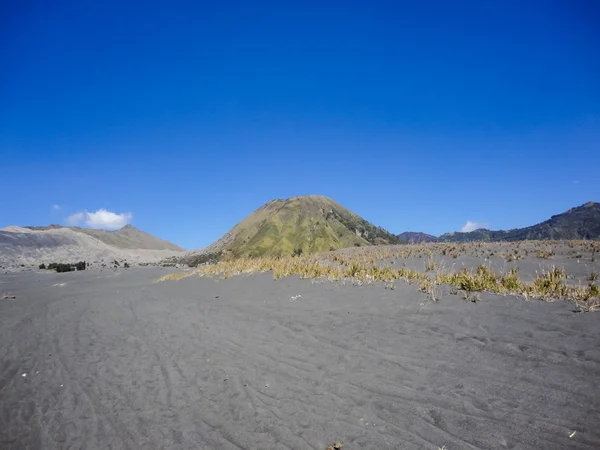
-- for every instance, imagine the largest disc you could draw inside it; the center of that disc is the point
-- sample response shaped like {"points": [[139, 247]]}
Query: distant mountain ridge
{"points": [[581, 222], [281, 227], [128, 237], [414, 237], [58, 244], [308, 224]]}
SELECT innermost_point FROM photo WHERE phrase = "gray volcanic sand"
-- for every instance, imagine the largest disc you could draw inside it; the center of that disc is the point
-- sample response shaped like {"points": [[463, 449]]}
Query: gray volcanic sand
{"points": [[113, 361]]}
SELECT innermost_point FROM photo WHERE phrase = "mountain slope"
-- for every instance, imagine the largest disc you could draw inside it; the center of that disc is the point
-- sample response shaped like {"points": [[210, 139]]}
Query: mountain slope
{"points": [[311, 223], [127, 237], [414, 237], [65, 245], [130, 237], [582, 222]]}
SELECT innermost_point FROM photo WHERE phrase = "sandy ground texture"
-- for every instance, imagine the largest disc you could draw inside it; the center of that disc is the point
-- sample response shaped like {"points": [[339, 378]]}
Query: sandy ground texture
{"points": [[105, 360]]}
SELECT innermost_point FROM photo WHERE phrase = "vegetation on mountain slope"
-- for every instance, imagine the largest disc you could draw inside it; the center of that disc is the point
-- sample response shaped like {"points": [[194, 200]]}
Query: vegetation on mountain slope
{"points": [[582, 222], [298, 225], [413, 237]]}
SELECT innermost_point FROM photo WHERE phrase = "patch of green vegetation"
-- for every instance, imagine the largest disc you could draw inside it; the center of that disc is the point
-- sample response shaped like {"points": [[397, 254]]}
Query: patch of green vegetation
{"points": [[312, 224]]}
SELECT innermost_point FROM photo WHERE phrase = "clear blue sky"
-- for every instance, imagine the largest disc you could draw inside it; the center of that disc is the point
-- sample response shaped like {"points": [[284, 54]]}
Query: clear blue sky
{"points": [[416, 115]]}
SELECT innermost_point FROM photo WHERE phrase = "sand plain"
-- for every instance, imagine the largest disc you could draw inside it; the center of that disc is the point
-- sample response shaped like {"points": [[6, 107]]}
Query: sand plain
{"points": [[113, 360]]}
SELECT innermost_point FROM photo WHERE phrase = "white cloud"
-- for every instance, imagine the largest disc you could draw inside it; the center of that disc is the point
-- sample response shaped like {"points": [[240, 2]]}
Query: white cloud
{"points": [[471, 226], [55, 207], [106, 219], [100, 219], [75, 219]]}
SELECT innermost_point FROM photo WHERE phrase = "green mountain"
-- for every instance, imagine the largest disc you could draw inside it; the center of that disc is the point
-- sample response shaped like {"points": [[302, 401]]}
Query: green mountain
{"points": [[582, 222], [310, 223]]}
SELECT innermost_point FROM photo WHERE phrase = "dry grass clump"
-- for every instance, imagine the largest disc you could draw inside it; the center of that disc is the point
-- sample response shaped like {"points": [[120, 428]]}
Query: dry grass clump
{"points": [[514, 256], [360, 269], [545, 254], [589, 305], [409, 274], [372, 264], [430, 288], [510, 281], [481, 279], [509, 257], [306, 267], [175, 276], [551, 283]]}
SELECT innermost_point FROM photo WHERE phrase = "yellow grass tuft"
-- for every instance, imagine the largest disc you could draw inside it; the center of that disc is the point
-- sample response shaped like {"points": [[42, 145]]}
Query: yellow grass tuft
{"points": [[174, 276], [368, 265]]}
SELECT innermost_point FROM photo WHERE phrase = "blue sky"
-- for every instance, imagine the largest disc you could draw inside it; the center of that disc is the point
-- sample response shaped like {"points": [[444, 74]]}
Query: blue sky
{"points": [[418, 117]]}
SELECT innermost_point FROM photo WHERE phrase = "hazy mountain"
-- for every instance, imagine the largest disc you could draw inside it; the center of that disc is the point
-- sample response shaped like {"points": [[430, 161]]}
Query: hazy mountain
{"points": [[582, 222], [414, 237], [311, 223], [126, 237], [54, 243]]}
